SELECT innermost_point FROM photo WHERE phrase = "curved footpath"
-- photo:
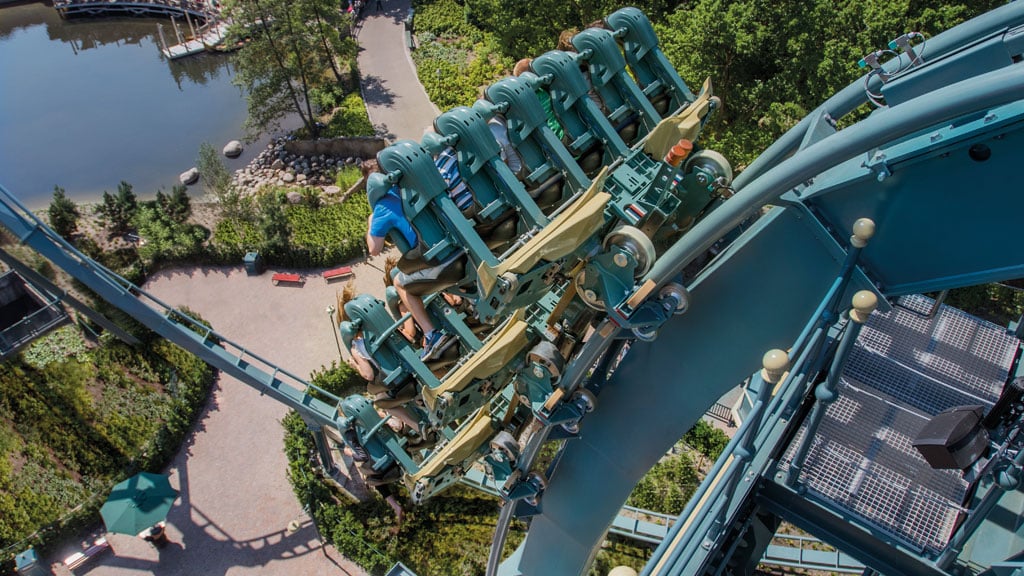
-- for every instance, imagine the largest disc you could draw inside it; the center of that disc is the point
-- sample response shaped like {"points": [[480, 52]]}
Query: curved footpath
{"points": [[236, 504], [395, 100]]}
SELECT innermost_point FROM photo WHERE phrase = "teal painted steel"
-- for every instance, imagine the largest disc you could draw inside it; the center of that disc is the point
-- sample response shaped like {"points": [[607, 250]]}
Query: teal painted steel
{"points": [[213, 348], [775, 285], [574, 512], [802, 555], [673, 380]]}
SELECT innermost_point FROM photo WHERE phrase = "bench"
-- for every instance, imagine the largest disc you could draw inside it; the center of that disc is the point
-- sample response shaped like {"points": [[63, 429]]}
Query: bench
{"points": [[79, 558], [335, 273], [286, 277]]}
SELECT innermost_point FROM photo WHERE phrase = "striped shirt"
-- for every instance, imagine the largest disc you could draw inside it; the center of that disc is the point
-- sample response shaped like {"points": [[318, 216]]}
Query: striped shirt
{"points": [[448, 164]]}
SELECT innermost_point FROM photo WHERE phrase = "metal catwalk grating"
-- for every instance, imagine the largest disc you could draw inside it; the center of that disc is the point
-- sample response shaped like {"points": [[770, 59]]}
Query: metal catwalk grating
{"points": [[904, 369]]}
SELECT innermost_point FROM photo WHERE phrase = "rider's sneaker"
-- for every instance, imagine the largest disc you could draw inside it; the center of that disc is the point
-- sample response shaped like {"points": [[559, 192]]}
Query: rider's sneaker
{"points": [[437, 341]]}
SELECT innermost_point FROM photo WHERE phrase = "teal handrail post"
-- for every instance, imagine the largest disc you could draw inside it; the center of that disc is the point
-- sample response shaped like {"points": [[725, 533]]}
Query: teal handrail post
{"points": [[775, 363], [864, 303]]}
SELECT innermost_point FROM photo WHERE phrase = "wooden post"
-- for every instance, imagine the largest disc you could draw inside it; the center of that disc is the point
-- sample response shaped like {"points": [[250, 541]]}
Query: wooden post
{"points": [[190, 27], [177, 32], [163, 43]]}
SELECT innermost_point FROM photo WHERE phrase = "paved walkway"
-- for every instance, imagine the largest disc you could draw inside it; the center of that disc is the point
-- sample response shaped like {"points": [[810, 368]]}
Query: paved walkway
{"points": [[395, 100], [236, 505]]}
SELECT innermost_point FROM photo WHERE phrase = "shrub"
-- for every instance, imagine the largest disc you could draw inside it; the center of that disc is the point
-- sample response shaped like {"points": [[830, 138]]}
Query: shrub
{"points": [[347, 177], [57, 346], [667, 487], [311, 198], [350, 119], [706, 439], [176, 206], [455, 59], [215, 175], [168, 239], [339, 379], [118, 211]]}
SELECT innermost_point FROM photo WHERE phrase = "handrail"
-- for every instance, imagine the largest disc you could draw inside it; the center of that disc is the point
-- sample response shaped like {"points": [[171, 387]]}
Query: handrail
{"points": [[172, 324]]}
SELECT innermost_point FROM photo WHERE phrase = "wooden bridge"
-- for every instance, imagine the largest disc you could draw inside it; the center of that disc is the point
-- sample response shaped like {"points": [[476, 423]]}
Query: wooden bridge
{"points": [[199, 9]]}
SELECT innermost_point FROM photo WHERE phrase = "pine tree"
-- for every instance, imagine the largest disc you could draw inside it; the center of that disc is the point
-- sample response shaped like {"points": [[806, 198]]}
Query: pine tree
{"points": [[118, 211], [176, 206], [63, 213]]}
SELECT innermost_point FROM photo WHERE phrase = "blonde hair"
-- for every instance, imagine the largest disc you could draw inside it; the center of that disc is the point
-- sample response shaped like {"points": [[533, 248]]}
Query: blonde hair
{"points": [[389, 264], [565, 40], [343, 296]]}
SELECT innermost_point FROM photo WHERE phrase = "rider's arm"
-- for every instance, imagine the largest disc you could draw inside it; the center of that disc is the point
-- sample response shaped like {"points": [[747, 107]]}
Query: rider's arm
{"points": [[373, 243]]}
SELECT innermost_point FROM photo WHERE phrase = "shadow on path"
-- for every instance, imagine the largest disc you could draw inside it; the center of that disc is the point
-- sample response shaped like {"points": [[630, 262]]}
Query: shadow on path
{"points": [[376, 92], [198, 545]]}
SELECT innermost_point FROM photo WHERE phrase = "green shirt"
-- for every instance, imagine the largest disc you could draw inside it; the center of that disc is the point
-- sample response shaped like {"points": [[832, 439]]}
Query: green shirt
{"points": [[545, 103]]}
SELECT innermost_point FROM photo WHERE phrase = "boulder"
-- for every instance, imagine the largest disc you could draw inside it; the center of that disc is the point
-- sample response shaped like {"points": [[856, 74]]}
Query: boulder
{"points": [[277, 164], [300, 178], [233, 149], [294, 198], [332, 189], [288, 177], [189, 176]]}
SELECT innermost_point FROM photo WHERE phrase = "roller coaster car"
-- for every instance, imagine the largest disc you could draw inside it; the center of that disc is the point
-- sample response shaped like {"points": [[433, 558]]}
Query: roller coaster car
{"points": [[570, 262], [658, 80], [629, 110]]}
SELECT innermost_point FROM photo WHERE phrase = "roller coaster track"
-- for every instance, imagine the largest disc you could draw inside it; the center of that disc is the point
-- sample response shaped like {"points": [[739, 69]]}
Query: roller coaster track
{"points": [[558, 540], [950, 125]]}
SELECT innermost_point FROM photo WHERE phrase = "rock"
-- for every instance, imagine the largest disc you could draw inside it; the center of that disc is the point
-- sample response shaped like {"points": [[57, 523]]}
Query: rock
{"points": [[288, 177], [300, 178], [233, 149], [277, 164], [332, 189], [294, 197], [189, 176]]}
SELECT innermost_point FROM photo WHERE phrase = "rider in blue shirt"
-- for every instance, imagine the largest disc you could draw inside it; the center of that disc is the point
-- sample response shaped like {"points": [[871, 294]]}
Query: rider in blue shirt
{"points": [[389, 215]]}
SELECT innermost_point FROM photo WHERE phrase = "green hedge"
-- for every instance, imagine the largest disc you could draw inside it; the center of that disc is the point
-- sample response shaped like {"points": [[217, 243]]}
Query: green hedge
{"points": [[74, 421], [349, 118], [454, 60], [322, 236]]}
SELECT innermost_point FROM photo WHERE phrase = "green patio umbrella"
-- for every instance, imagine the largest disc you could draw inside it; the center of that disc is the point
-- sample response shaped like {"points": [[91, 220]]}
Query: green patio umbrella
{"points": [[138, 503]]}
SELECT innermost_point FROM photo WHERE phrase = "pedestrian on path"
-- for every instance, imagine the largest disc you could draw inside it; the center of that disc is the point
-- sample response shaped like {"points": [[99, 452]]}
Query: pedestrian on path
{"points": [[379, 7]]}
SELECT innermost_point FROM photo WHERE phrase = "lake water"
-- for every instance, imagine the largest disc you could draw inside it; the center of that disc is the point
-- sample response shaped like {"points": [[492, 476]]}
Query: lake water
{"points": [[86, 103]]}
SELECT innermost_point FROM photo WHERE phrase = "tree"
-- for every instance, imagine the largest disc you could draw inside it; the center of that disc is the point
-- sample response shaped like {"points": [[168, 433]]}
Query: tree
{"points": [[63, 213], [214, 174], [118, 211], [273, 223], [773, 62], [290, 53], [176, 206]]}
